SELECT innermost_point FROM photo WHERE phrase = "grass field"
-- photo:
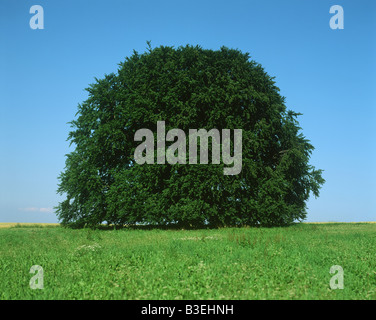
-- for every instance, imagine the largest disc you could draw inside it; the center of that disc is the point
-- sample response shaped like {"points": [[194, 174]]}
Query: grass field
{"points": [[228, 263]]}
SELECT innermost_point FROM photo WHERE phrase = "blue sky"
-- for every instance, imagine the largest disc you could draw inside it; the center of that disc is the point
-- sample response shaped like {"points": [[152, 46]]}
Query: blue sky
{"points": [[328, 75]]}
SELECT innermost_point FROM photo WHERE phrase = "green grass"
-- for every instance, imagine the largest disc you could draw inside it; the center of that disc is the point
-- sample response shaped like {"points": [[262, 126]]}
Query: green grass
{"points": [[229, 263]]}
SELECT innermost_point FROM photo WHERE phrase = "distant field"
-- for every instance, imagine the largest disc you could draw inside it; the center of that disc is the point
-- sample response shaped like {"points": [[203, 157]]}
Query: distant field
{"points": [[16, 224], [228, 263]]}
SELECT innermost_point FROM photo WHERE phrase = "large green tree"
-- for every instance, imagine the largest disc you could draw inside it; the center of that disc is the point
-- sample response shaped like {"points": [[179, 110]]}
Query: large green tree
{"points": [[187, 87]]}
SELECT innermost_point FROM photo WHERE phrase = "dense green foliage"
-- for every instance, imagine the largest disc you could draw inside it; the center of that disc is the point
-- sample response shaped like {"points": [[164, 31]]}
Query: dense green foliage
{"points": [[228, 263], [188, 88]]}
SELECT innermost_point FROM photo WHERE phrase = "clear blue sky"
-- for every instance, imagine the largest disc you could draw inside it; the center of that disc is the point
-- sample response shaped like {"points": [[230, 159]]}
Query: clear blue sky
{"points": [[328, 75]]}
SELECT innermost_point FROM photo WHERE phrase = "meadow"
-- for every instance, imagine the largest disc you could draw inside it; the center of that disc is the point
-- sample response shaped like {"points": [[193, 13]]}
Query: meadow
{"points": [[229, 263]]}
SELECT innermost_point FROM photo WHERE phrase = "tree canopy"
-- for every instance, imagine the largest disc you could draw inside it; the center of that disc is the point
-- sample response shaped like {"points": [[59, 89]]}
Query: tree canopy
{"points": [[188, 88]]}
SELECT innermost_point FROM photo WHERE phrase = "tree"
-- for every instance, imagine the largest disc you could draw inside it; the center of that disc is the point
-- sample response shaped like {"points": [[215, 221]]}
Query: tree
{"points": [[187, 87]]}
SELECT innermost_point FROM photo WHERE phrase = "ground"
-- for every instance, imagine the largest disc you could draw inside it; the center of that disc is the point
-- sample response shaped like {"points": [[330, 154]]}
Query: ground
{"points": [[229, 263]]}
